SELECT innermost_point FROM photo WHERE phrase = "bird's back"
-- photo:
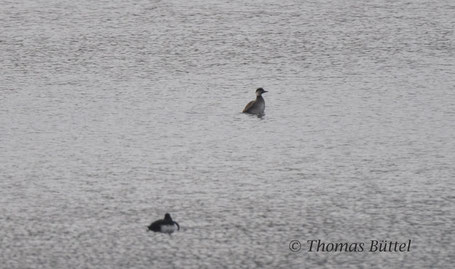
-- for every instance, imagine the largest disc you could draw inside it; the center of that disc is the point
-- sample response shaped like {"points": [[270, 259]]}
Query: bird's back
{"points": [[156, 225], [248, 107]]}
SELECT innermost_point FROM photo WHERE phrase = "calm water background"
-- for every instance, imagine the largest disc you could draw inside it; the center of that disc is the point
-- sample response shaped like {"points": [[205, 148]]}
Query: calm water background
{"points": [[113, 113]]}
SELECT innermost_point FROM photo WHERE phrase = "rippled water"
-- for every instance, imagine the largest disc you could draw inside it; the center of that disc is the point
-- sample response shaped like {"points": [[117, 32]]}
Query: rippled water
{"points": [[116, 112]]}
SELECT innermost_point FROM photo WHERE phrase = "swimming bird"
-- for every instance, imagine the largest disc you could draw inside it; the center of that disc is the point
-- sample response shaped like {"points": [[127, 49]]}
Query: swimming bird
{"points": [[166, 225], [257, 106]]}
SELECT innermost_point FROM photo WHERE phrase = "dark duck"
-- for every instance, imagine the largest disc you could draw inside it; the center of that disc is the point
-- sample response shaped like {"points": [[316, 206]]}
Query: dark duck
{"points": [[166, 225], [256, 106]]}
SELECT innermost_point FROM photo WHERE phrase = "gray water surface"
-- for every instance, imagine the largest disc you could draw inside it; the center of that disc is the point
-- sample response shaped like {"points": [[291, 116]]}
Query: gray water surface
{"points": [[113, 113]]}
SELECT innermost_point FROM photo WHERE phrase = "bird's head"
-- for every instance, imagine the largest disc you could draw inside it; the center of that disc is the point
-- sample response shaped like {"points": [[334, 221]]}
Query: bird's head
{"points": [[260, 91]]}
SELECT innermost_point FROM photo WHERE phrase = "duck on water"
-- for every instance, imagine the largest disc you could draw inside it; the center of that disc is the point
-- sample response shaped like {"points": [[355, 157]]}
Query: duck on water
{"points": [[256, 106], [166, 225]]}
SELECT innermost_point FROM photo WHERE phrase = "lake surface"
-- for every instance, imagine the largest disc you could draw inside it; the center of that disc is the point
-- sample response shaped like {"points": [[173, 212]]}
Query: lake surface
{"points": [[113, 113]]}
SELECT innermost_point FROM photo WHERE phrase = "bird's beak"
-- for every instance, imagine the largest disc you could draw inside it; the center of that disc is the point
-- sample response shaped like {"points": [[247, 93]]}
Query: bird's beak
{"points": [[265, 91]]}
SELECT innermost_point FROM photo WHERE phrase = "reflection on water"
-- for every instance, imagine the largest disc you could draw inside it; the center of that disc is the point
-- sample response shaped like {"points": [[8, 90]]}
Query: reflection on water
{"points": [[115, 113]]}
